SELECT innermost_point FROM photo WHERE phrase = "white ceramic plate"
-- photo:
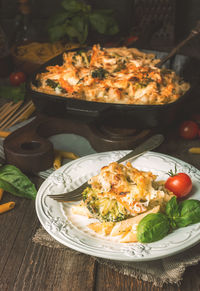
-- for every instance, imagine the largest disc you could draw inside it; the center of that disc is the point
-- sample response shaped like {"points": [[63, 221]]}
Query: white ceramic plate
{"points": [[71, 230]]}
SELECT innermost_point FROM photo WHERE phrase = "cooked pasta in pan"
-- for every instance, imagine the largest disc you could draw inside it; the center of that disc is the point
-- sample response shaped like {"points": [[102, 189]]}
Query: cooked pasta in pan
{"points": [[111, 75]]}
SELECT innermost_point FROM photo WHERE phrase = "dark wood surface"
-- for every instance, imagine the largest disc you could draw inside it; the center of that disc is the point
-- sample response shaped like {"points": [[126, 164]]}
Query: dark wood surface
{"points": [[25, 265]]}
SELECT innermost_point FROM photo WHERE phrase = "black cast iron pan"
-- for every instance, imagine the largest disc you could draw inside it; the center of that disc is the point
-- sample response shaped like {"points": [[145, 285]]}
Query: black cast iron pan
{"points": [[120, 115]]}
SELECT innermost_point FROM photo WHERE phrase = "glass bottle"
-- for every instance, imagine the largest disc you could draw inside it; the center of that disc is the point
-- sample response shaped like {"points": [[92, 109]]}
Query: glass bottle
{"points": [[24, 29], [6, 62]]}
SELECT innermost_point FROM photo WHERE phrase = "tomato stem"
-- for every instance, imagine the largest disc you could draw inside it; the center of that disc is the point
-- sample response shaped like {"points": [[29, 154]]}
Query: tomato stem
{"points": [[171, 173]]}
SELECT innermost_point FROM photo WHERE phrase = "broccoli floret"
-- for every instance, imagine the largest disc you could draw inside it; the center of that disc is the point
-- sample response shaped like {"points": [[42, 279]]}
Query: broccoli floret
{"points": [[51, 83], [99, 74], [103, 208]]}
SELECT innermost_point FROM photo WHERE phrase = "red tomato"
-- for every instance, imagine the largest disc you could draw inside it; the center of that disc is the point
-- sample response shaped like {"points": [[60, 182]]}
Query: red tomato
{"points": [[17, 78], [180, 184], [189, 129], [130, 39]]}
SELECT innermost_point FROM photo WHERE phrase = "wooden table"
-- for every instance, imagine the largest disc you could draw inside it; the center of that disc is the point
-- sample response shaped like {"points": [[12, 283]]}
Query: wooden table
{"points": [[25, 265]]}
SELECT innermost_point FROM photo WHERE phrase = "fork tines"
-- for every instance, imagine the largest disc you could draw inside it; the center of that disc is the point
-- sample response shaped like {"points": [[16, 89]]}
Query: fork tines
{"points": [[65, 198]]}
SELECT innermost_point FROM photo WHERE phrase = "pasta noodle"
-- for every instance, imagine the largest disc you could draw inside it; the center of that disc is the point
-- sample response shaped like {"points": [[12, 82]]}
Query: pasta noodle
{"points": [[112, 75], [119, 197]]}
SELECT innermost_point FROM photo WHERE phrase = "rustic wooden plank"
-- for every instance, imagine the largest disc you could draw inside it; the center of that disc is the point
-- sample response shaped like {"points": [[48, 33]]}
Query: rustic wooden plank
{"points": [[54, 269], [108, 279], [21, 232], [191, 280], [10, 224]]}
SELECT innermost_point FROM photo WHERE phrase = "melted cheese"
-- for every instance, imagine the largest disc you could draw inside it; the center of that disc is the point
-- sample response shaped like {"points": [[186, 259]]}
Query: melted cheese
{"points": [[134, 189], [116, 75]]}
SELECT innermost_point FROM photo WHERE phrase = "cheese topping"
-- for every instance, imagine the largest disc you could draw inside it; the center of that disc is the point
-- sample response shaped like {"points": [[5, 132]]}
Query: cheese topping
{"points": [[134, 189], [112, 75]]}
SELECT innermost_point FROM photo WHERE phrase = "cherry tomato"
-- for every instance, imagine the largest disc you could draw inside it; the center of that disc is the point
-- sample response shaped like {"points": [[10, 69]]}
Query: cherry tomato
{"points": [[130, 39], [16, 78], [189, 129], [180, 184]]}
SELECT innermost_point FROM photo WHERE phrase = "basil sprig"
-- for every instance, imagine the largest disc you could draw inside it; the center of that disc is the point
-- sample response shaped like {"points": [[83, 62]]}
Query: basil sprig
{"points": [[14, 94], [153, 227], [75, 19], [188, 213], [15, 182], [156, 226]]}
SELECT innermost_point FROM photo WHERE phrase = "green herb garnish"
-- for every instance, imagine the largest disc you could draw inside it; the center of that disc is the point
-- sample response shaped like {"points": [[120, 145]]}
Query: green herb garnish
{"points": [[76, 18], [99, 74], [51, 83], [15, 182], [15, 94], [155, 226]]}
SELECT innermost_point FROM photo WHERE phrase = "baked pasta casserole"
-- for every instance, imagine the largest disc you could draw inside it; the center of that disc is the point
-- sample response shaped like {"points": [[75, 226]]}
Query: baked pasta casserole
{"points": [[119, 197], [111, 75]]}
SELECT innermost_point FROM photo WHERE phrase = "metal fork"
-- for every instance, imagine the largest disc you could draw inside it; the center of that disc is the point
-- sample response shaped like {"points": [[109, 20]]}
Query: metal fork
{"points": [[75, 195]]}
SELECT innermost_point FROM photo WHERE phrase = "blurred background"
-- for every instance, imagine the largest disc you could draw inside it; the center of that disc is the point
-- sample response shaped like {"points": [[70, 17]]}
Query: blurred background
{"points": [[152, 24], [164, 21]]}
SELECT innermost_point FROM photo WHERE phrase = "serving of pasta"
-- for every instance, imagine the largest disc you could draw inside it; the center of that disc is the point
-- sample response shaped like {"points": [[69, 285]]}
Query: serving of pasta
{"points": [[111, 75], [119, 197]]}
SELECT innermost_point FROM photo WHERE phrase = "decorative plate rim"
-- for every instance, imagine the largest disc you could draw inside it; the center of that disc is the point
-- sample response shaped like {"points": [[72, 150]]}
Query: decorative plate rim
{"points": [[51, 213]]}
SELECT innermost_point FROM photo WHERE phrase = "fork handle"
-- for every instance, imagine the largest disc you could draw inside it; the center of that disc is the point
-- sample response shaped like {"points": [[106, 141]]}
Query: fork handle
{"points": [[150, 144], [194, 32]]}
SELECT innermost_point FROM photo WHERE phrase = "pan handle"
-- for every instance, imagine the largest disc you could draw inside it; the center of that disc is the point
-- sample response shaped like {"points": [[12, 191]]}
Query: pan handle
{"points": [[92, 109]]}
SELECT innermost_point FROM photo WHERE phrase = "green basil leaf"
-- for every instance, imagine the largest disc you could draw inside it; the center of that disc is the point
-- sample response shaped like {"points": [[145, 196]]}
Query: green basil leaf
{"points": [[113, 27], [13, 93], [57, 32], [72, 5], [104, 11], [98, 22], [172, 211], [189, 213], [72, 32], [77, 19], [153, 227], [103, 23], [80, 23], [58, 19], [15, 182]]}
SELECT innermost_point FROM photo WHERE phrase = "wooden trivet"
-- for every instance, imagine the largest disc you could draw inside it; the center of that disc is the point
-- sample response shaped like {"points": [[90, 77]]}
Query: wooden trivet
{"points": [[29, 149]]}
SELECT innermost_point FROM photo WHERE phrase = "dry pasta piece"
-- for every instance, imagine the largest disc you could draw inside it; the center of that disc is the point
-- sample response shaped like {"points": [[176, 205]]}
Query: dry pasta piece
{"points": [[194, 150], [4, 133], [67, 155], [57, 161], [59, 155], [1, 193], [7, 206]]}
